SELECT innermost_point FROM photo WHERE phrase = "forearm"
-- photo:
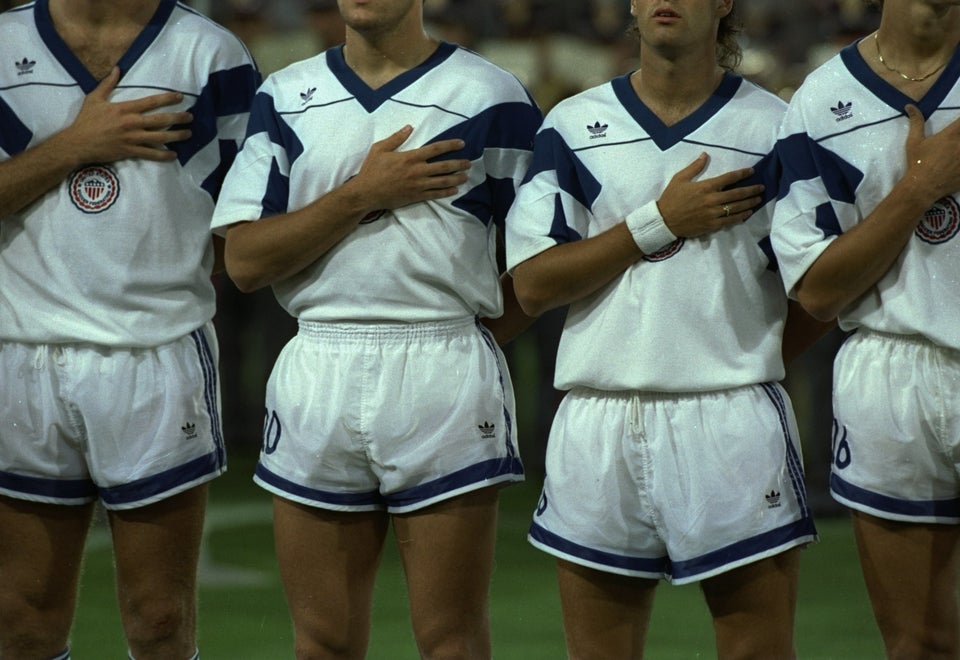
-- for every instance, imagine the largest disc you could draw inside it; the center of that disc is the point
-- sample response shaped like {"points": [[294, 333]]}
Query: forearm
{"points": [[571, 271], [855, 261], [28, 176], [801, 331], [513, 321], [270, 250]]}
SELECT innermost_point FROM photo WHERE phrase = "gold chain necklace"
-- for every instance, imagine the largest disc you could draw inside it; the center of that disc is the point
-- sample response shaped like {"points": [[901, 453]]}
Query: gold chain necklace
{"points": [[876, 42]]}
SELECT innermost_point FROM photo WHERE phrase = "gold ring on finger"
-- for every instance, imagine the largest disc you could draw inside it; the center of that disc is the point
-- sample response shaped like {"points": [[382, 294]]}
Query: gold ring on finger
{"points": [[726, 210]]}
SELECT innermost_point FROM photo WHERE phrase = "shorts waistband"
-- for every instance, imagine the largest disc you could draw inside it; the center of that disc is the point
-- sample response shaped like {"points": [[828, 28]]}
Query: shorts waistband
{"points": [[918, 341], [386, 332]]}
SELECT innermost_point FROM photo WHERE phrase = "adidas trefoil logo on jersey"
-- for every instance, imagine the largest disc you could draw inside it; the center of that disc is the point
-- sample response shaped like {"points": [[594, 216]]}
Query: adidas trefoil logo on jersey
{"points": [[487, 430], [773, 499], [25, 66], [189, 431], [307, 96], [843, 110], [598, 130]]}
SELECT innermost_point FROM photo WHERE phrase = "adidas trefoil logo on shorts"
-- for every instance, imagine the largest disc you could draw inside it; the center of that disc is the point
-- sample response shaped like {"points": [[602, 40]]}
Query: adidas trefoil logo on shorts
{"points": [[189, 431], [773, 499], [487, 430]]}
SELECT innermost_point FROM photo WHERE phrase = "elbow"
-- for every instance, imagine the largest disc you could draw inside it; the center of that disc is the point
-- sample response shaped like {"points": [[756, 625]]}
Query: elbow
{"points": [[532, 300], [244, 279], [823, 308]]}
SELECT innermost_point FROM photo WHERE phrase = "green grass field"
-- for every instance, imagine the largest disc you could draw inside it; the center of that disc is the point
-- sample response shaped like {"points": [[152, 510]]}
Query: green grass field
{"points": [[243, 615]]}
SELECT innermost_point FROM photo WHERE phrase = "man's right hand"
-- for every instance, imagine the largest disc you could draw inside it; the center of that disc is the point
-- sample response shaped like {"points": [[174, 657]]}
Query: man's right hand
{"points": [[104, 131], [392, 179], [693, 208]]}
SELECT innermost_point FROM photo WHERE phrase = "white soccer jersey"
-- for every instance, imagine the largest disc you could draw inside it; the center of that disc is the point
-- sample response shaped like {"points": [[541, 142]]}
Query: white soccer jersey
{"points": [[119, 254], [311, 126], [701, 314], [842, 149]]}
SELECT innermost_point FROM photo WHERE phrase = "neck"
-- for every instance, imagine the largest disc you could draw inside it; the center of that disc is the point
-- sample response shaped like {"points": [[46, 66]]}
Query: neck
{"points": [[917, 39], [100, 12], [674, 88], [378, 56]]}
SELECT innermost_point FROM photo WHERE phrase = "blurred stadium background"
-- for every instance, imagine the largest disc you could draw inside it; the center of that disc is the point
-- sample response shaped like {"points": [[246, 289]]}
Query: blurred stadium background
{"points": [[557, 48]]}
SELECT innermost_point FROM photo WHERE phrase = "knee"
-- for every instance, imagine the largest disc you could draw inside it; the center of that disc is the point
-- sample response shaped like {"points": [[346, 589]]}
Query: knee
{"points": [[930, 644], [157, 620], [29, 631], [441, 641]]}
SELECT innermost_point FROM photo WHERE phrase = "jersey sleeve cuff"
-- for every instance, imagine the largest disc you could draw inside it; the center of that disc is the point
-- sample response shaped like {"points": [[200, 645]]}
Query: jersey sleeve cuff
{"points": [[648, 229]]}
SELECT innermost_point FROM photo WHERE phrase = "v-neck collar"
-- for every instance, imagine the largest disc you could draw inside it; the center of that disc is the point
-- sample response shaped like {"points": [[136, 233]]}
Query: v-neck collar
{"points": [[371, 99], [666, 136], [892, 96], [74, 66]]}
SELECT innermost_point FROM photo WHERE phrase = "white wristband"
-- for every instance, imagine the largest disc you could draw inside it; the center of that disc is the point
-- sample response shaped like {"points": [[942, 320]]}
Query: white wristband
{"points": [[648, 229]]}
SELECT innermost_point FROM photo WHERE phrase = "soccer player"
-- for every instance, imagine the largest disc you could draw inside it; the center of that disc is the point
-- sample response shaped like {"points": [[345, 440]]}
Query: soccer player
{"points": [[117, 121], [867, 231], [368, 194], [674, 454]]}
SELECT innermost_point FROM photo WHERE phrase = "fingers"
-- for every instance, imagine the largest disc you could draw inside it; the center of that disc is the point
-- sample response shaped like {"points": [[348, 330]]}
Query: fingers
{"points": [[728, 179], [693, 169], [393, 142], [917, 126], [107, 85]]}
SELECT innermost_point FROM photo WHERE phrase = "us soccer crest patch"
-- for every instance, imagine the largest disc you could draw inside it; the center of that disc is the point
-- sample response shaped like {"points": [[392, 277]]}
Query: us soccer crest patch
{"points": [[94, 189], [941, 222]]}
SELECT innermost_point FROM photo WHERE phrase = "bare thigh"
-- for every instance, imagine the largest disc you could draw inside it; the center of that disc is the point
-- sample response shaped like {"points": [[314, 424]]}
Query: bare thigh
{"points": [[447, 551], [41, 547], [605, 615], [328, 564], [156, 549], [911, 575], [754, 607]]}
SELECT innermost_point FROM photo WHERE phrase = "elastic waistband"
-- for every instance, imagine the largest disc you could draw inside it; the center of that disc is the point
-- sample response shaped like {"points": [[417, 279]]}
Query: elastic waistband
{"points": [[892, 339], [387, 332]]}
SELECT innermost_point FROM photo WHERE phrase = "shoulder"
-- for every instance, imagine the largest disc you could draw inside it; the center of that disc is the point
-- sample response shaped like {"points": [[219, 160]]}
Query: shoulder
{"points": [[208, 35], [469, 65]]}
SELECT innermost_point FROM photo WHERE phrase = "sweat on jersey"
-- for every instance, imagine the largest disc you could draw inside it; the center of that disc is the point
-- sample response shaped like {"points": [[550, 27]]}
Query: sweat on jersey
{"points": [[118, 254]]}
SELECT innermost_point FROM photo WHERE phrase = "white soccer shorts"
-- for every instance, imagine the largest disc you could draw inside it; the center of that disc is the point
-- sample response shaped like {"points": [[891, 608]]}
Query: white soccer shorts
{"points": [[896, 439], [364, 417], [129, 426], [677, 487]]}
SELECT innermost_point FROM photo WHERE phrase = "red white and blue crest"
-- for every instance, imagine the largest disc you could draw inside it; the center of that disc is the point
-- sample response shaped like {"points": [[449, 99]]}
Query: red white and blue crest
{"points": [[941, 222], [94, 189], [666, 252]]}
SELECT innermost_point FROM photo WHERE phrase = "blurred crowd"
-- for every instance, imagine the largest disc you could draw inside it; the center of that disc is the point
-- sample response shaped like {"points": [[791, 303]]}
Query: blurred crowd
{"points": [[557, 47]]}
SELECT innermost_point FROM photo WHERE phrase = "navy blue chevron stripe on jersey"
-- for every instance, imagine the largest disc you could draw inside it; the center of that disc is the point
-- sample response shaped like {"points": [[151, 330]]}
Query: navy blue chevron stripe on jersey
{"points": [[265, 119], [803, 159], [667, 136], [371, 99], [506, 126], [226, 93], [551, 152], [14, 135]]}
